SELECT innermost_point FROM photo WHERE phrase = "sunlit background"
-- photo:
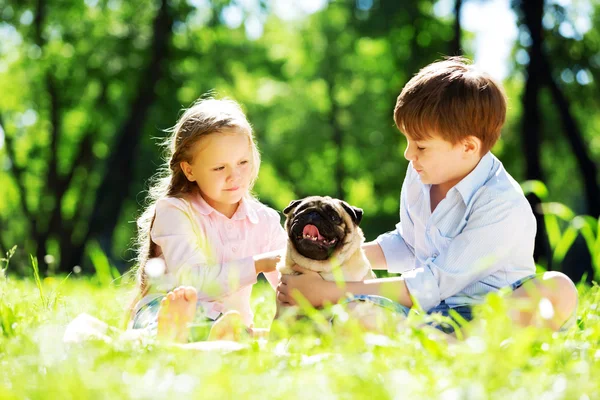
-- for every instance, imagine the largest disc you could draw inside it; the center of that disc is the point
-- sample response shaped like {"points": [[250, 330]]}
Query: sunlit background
{"points": [[88, 89]]}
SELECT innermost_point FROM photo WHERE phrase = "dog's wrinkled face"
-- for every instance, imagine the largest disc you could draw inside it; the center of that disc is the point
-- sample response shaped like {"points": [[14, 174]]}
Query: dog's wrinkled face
{"points": [[318, 226]]}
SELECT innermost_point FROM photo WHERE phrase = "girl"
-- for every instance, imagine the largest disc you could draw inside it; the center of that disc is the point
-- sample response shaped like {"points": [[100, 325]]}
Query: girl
{"points": [[204, 230]]}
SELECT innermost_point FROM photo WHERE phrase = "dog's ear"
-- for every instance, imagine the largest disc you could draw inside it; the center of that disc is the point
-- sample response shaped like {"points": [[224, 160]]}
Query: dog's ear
{"points": [[293, 204], [354, 212]]}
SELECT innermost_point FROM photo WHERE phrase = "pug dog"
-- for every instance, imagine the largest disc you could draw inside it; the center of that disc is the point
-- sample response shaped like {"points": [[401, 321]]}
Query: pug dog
{"points": [[324, 236]]}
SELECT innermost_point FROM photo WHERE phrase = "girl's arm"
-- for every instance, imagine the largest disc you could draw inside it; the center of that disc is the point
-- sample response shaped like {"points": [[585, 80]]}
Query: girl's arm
{"points": [[192, 260], [277, 241], [266, 262]]}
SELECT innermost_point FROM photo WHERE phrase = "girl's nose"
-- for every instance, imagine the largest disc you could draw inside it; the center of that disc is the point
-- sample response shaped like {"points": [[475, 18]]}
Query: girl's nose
{"points": [[235, 174]]}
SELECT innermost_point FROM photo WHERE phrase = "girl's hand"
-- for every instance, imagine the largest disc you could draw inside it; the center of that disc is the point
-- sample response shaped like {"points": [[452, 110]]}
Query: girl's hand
{"points": [[310, 284], [266, 262]]}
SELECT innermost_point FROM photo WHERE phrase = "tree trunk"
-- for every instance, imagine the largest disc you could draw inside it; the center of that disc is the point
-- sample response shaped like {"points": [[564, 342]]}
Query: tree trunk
{"points": [[531, 127], [119, 168], [456, 49], [330, 70], [587, 167]]}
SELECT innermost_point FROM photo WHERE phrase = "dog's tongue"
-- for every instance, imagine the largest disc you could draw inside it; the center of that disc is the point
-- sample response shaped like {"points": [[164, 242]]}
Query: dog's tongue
{"points": [[312, 231]]}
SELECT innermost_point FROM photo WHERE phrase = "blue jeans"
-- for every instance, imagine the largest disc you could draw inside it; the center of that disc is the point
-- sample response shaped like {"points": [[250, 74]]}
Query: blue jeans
{"points": [[444, 309]]}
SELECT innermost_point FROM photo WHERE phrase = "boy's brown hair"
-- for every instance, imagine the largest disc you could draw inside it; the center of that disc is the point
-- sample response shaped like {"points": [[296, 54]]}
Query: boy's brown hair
{"points": [[452, 99]]}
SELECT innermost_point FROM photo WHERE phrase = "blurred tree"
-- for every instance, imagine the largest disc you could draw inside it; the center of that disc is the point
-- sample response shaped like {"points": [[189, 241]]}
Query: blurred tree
{"points": [[83, 63], [456, 48], [544, 45], [415, 37], [116, 75], [531, 123], [326, 124], [89, 88], [119, 173]]}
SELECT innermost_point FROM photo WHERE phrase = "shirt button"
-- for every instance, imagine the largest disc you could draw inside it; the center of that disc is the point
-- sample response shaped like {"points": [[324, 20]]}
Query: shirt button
{"points": [[229, 225], [234, 249]]}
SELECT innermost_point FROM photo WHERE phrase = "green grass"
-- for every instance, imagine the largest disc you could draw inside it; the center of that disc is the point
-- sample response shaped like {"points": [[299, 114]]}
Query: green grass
{"points": [[497, 361]]}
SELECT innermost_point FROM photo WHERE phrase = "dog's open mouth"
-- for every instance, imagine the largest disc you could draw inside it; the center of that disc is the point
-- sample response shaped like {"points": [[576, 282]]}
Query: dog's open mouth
{"points": [[311, 233]]}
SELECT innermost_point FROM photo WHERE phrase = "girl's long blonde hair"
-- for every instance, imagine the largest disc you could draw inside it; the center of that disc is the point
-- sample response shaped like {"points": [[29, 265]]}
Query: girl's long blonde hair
{"points": [[205, 117]]}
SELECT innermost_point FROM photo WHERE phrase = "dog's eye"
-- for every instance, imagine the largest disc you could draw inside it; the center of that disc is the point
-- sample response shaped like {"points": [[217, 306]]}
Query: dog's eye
{"points": [[335, 218]]}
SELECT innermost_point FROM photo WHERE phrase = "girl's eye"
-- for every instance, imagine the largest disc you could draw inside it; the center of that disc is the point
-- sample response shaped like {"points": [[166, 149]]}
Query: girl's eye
{"points": [[219, 169], [244, 162]]}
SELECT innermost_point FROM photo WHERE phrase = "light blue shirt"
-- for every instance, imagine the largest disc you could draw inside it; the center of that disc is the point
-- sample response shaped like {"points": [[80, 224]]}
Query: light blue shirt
{"points": [[479, 238]]}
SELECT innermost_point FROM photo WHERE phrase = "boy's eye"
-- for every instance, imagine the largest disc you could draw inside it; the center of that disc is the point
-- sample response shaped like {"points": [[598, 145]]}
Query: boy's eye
{"points": [[420, 148], [219, 169], [244, 162]]}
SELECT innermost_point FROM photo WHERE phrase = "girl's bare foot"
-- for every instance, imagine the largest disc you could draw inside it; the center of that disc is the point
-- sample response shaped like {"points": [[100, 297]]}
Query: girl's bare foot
{"points": [[229, 327], [177, 310]]}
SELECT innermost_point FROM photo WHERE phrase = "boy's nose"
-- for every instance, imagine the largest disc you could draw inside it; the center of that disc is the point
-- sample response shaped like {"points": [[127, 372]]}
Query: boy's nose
{"points": [[408, 154]]}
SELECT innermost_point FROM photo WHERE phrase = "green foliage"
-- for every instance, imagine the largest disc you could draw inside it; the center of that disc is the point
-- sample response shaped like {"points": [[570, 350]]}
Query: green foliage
{"points": [[563, 227], [6, 261], [496, 360], [105, 273], [590, 230]]}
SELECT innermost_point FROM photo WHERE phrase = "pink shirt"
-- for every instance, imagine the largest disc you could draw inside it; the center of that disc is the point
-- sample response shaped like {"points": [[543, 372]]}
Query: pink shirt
{"points": [[205, 249]]}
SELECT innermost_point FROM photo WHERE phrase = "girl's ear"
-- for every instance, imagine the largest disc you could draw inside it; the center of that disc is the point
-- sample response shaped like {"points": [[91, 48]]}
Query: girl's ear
{"points": [[187, 170]]}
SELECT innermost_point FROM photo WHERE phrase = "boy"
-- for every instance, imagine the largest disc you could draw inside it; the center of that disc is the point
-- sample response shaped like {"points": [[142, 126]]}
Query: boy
{"points": [[465, 227]]}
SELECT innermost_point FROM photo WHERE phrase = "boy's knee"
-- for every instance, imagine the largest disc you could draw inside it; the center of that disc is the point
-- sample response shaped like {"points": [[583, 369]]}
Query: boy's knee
{"points": [[371, 317], [561, 291], [560, 285]]}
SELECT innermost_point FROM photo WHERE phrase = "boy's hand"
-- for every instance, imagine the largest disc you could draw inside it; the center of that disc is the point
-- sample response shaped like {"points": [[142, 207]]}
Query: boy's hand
{"points": [[309, 284]]}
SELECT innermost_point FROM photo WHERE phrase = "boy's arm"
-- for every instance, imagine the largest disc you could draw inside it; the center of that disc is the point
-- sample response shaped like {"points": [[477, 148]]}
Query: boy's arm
{"points": [[375, 255], [319, 291], [499, 235]]}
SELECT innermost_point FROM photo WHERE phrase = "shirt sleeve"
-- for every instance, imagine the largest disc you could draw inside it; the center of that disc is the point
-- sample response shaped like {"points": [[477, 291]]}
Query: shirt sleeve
{"points": [[190, 258], [277, 241], [495, 232], [396, 245]]}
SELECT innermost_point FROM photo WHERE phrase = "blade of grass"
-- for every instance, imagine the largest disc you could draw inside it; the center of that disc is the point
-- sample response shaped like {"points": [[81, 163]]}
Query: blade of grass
{"points": [[552, 229], [38, 281], [536, 187], [6, 261], [564, 244], [100, 262]]}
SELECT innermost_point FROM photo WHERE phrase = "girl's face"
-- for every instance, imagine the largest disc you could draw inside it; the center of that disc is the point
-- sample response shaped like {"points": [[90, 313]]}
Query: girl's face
{"points": [[222, 169]]}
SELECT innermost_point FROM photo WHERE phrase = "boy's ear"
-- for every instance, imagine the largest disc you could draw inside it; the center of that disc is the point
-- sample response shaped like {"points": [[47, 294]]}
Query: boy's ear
{"points": [[293, 204], [187, 170], [472, 144]]}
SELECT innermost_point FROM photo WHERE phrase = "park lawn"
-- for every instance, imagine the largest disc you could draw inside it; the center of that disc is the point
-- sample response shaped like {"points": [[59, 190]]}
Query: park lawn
{"points": [[496, 361]]}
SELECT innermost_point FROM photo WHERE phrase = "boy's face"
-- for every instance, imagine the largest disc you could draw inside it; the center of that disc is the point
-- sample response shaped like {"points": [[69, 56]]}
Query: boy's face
{"points": [[439, 162]]}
